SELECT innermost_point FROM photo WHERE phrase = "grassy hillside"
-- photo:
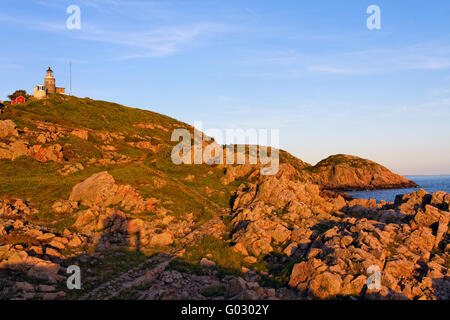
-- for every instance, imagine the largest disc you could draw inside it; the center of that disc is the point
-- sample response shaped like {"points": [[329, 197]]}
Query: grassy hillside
{"points": [[150, 173]]}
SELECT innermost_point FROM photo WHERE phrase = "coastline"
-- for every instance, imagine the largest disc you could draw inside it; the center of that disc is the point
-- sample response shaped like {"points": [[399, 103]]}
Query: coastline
{"points": [[410, 184]]}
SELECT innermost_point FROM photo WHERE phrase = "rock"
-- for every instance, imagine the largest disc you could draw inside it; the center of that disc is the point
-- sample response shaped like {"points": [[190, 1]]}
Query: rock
{"points": [[82, 134], [15, 209], [70, 168], [8, 128], [75, 242], [23, 286], [42, 139], [36, 250], [46, 237], [290, 249], [46, 288], [17, 258], [97, 190], [325, 285], [250, 260], [409, 203], [235, 286], [85, 220], [52, 252], [145, 145], [207, 263], [64, 206], [441, 230], [430, 216], [14, 150], [57, 244], [399, 268], [162, 239], [235, 172], [100, 190], [353, 286], [300, 273], [45, 154], [53, 295], [239, 248], [281, 234]]}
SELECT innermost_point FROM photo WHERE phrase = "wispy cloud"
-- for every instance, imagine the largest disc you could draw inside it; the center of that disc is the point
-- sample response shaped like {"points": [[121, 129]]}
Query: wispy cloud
{"points": [[294, 63], [159, 42], [150, 42]]}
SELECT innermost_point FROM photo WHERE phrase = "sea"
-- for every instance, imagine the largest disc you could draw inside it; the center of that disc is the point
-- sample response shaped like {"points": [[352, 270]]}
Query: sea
{"points": [[429, 183]]}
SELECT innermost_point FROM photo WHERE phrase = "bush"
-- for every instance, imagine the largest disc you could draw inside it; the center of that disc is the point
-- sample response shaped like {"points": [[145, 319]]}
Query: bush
{"points": [[19, 93]]}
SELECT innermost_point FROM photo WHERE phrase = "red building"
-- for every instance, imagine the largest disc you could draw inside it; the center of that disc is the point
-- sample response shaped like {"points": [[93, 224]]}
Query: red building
{"points": [[18, 100]]}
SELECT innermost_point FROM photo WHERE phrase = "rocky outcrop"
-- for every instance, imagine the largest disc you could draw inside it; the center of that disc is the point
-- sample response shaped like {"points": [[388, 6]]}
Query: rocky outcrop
{"points": [[234, 172], [34, 252], [338, 241], [15, 146], [15, 208], [14, 149], [70, 168], [100, 190], [45, 154], [80, 133], [145, 145], [347, 173]]}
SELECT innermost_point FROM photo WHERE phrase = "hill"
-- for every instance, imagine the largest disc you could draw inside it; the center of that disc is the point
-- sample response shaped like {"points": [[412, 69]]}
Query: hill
{"points": [[348, 173], [91, 183]]}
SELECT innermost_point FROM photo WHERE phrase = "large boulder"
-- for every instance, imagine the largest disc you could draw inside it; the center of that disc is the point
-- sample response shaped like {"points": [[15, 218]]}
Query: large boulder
{"points": [[430, 216], [97, 190], [100, 190], [325, 285], [8, 128], [162, 239]]}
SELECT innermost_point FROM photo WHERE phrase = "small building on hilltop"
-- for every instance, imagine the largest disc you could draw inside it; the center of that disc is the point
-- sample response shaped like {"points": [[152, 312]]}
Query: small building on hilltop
{"points": [[18, 100], [49, 87], [39, 91]]}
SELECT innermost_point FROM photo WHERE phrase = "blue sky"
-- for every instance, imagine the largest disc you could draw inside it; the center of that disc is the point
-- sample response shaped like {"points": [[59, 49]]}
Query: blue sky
{"points": [[312, 69]]}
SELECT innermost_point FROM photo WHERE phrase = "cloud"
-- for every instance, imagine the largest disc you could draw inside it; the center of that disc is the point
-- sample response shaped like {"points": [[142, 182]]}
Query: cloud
{"points": [[150, 42], [295, 63], [159, 42]]}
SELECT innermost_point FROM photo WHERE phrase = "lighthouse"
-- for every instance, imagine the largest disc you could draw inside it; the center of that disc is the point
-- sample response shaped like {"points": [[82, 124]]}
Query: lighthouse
{"points": [[50, 82]]}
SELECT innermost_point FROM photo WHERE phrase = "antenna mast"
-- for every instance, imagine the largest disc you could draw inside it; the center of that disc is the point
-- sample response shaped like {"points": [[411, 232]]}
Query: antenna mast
{"points": [[70, 67]]}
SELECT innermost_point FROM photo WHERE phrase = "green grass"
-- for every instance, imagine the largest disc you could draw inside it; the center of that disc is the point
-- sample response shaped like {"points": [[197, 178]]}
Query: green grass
{"points": [[339, 159], [92, 114], [77, 149], [41, 184], [221, 252]]}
